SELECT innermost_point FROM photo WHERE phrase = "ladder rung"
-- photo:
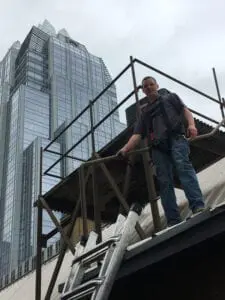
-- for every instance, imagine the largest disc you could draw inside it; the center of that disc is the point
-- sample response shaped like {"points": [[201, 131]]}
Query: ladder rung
{"points": [[94, 257], [97, 248], [78, 296], [92, 273], [85, 265], [83, 289]]}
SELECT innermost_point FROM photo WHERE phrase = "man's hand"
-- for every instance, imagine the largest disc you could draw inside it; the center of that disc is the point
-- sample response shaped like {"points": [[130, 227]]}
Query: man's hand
{"points": [[122, 152], [130, 145], [192, 131]]}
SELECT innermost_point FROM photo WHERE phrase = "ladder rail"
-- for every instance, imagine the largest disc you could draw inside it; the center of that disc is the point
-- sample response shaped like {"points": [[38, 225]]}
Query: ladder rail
{"points": [[105, 258], [80, 291], [117, 257]]}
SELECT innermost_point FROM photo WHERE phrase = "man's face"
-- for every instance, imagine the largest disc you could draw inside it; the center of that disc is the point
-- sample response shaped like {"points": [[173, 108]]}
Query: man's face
{"points": [[150, 87]]}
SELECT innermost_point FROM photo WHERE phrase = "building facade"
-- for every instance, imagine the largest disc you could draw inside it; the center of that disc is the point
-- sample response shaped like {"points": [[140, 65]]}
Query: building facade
{"points": [[44, 83]]}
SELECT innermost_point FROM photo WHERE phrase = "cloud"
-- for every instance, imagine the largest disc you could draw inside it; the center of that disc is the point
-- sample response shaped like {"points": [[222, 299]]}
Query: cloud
{"points": [[182, 38]]}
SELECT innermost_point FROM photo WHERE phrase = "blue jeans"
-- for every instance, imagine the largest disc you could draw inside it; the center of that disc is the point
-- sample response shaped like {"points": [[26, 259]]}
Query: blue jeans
{"points": [[178, 157]]}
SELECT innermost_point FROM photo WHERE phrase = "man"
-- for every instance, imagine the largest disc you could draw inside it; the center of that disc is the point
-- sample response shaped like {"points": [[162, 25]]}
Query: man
{"points": [[162, 121]]}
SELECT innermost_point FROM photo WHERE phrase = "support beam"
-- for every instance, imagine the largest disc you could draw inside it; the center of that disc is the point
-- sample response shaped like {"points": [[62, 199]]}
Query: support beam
{"points": [[97, 212], [64, 223], [128, 176], [83, 200], [62, 254], [64, 246], [120, 196], [55, 221]]}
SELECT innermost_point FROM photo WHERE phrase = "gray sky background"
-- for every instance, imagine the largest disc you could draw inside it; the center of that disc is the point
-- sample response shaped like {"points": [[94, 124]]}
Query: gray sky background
{"points": [[184, 38]]}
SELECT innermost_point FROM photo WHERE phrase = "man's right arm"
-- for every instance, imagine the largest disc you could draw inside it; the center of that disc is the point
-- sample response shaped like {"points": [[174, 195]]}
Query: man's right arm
{"points": [[131, 144], [138, 134]]}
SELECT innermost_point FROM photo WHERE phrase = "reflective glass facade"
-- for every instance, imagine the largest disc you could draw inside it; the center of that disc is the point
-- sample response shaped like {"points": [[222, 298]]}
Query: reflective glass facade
{"points": [[44, 84]]}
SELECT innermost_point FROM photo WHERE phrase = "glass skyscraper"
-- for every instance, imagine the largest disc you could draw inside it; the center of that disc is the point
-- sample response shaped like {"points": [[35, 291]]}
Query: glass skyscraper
{"points": [[44, 83]]}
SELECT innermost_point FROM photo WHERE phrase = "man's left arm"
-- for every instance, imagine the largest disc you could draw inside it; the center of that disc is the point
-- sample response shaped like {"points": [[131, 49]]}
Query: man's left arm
{"points": [[192, 130], [182, 108]]}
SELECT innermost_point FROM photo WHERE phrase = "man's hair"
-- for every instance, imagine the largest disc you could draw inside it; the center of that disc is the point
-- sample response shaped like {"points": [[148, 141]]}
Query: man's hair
{"points": [[147, 77]]}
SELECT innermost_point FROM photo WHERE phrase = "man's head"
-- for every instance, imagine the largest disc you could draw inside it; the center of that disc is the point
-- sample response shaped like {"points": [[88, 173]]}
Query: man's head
{"points": [[149, 86]]}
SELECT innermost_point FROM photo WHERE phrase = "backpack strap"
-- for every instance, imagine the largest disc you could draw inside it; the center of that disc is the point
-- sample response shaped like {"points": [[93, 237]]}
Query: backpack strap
{"points": [[165, 116], [171, 129]]}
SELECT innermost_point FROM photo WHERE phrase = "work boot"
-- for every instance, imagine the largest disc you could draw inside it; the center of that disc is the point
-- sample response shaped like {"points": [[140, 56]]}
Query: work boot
{"points": [[198, 210]]}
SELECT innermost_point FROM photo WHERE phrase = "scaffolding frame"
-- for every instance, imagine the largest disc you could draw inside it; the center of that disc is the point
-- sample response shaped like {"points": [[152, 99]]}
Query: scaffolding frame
{"points": [[91, 167]]}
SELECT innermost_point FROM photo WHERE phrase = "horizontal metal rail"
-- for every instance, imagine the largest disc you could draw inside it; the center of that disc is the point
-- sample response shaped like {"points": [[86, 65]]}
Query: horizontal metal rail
{"points": [[54, 176], [114, 109], [203, 116], [89, 132], [88, 106], [177, 81], [68, 156], [71, 123], [116, 156], [67, 152], [207, 135]]}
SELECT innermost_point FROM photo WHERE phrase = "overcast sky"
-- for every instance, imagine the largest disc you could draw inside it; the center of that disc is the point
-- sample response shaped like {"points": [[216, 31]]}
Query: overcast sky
{"points": [[184, 38]]}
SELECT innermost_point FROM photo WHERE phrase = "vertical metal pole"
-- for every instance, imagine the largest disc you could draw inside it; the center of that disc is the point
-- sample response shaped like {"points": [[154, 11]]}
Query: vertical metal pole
{"points": [[127, 178], [127, 181], [92, 127], [64, 245], [223, 101], [218, 93], [97, 213], [39, 235], [62, 253], [152, 196], [83, 201]]}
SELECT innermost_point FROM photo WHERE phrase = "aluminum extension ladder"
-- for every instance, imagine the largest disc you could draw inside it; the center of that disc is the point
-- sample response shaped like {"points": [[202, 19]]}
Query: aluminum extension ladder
{"points": [[95, 267]]}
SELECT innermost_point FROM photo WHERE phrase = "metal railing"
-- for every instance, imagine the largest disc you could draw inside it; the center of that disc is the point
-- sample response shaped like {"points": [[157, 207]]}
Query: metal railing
{"points": [[89, 107], [96, 159]]}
